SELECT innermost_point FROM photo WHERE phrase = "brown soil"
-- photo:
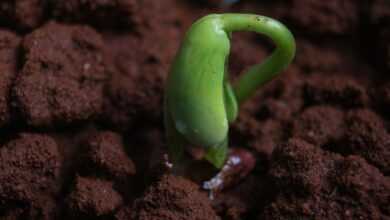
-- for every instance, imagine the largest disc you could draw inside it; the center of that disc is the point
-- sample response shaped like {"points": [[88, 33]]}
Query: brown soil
{"points": [[81, 87]]}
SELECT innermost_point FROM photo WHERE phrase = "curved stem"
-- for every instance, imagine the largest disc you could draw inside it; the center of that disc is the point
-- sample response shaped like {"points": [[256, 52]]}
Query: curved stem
{"points": [[274, 64]]}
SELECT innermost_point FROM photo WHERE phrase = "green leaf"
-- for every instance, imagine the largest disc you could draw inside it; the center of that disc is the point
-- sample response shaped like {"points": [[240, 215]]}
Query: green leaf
{"points": [[230, 101], [217, 155]]}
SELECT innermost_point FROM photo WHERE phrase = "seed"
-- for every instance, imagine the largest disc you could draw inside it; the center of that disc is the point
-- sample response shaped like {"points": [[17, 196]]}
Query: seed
{"points": [[239, 164]]}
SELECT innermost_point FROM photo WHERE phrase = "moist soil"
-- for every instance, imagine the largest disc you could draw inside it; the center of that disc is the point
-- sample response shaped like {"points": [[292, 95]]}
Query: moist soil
{"points": [[81, 128]]}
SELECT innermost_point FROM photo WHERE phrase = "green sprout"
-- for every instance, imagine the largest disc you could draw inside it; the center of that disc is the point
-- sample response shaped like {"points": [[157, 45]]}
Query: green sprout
{"points": [[200, 102]]}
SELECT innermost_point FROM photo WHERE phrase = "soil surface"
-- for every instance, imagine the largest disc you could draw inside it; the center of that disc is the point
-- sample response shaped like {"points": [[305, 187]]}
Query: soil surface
{"points": [[81, 127]]}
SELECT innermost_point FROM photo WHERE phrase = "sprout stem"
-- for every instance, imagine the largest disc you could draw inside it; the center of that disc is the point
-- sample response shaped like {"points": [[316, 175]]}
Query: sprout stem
{"points": [[282, 56]]}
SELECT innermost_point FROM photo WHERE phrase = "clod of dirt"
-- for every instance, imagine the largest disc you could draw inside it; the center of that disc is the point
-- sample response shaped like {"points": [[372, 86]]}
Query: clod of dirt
{"points": [[105, 152], [281, 99], [29, 176], [380, 19], [243, 48], [93, 198], [9, 44], [264, 122], [140, 65], [62, 77], [100, 13], [123, 214], [173, 198], [382, 98], [299, 165], [332, 90], [261, 136], [384, 46], [335, 17], [340, 188], [386, 35], [279, 108], [252, 193], [134, 92], [271, 133], [214, 4], [366, 136], [13, 214], [380, 12], [319, 125], [24, 14], [312, 57]]}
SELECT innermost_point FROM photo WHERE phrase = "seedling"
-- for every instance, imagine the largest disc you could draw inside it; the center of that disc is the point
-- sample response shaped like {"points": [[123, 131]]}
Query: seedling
{"points": [[200, 102]]}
